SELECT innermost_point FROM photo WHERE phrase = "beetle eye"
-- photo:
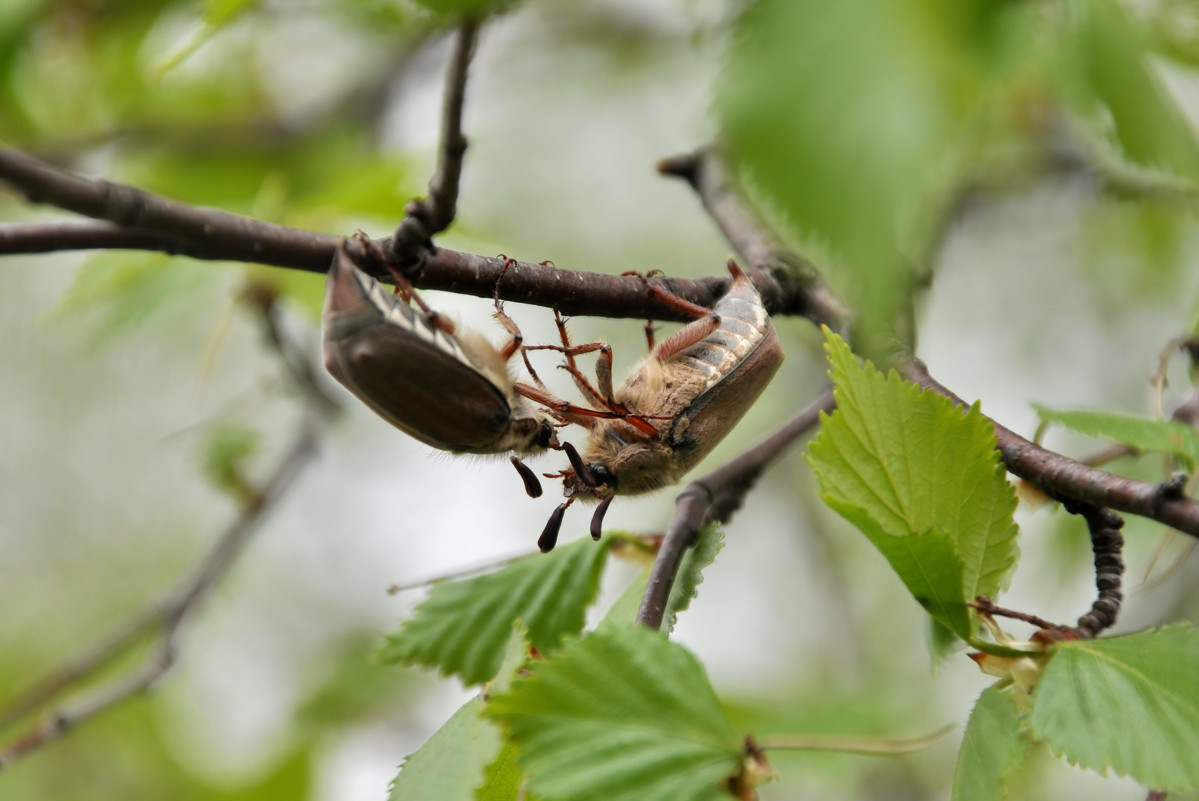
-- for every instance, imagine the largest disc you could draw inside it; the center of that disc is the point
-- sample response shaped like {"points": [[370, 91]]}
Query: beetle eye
{"points": [[602, 476], [546, 436]]}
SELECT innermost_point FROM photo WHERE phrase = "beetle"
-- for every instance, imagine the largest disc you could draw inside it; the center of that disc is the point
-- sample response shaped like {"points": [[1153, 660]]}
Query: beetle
{"points": [[673, 408], [444, 385]]}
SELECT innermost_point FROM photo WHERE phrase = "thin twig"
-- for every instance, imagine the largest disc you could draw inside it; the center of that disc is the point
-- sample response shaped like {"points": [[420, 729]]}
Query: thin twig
{"points": [[413, 237], [167, 616], [140, 220], [743, 227], [1107, 543], [865, 746], [300, 368], [83, 664], [59, 235], [172, 613], [716, 497]]}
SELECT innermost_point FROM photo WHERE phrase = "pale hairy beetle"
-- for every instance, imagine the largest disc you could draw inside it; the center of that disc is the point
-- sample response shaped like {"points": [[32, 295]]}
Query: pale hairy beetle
{"points": [[674, 407], [444, 385]]}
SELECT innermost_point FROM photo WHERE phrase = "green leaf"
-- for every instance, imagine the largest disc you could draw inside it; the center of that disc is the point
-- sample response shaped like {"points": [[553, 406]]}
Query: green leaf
{"points": [[503, 779], [922, 479], [127, 288], [1129, 704], [465, 8], [690, 575], [623, 611], [927, 563], [992, 748], [226, 452], [463, 626], [450, 765], [516, 653], [1146, 434], [845, 113], [942, 642], [466, 758], [222, 12], [1113, 54], [622, 714]]}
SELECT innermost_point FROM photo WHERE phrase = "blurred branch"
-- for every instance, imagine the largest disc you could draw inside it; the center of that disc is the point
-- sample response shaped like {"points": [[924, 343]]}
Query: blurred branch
{"points": [[743, 227], [167, 615], [716, 497], [165, 618], [301, 369], [413, 238]]}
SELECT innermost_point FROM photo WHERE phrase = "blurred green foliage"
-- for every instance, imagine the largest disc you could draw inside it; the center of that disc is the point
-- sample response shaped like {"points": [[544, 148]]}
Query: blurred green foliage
{"points": [[867, 123], [864, 126]]}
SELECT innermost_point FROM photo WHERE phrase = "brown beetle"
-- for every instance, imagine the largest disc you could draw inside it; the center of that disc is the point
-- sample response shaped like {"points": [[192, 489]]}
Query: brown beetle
{"points": [[444, 385], [674, 407]]}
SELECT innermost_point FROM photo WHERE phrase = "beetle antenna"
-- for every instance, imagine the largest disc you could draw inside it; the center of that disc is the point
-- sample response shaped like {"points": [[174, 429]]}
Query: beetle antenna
{"points": [[532, 485], [549, 536], [597, 519], [581, 468]]}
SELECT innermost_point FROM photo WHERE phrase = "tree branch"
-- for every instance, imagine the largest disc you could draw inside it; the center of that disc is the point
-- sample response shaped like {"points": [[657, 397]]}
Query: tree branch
{"points": [[413, 238], [57, 235], [747, 232], [1052, 473], [221, 233], [1063, 478], [168, 614], [716, 497], [140, 220]]}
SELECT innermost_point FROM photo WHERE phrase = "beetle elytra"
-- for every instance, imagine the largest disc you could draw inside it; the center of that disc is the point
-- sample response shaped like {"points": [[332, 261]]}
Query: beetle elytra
{"points": [[446, 386]]}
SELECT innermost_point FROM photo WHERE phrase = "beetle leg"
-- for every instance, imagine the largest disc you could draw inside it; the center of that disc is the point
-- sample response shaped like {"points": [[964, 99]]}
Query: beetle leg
{"points": [[514, 344], [581, 415], [563, 410], [595, 397], [570, 351], [688, 335], [669, 298], [524, 354], [601, 397], [407, 290]]}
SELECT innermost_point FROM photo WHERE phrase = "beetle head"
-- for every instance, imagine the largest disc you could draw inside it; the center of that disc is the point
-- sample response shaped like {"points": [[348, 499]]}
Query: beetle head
{"points": [[531, 432], [581, 480], [586, 478]]}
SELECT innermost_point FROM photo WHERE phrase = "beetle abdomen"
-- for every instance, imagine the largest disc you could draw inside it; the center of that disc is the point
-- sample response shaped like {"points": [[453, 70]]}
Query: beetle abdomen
{"points": [[744, 324]]}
